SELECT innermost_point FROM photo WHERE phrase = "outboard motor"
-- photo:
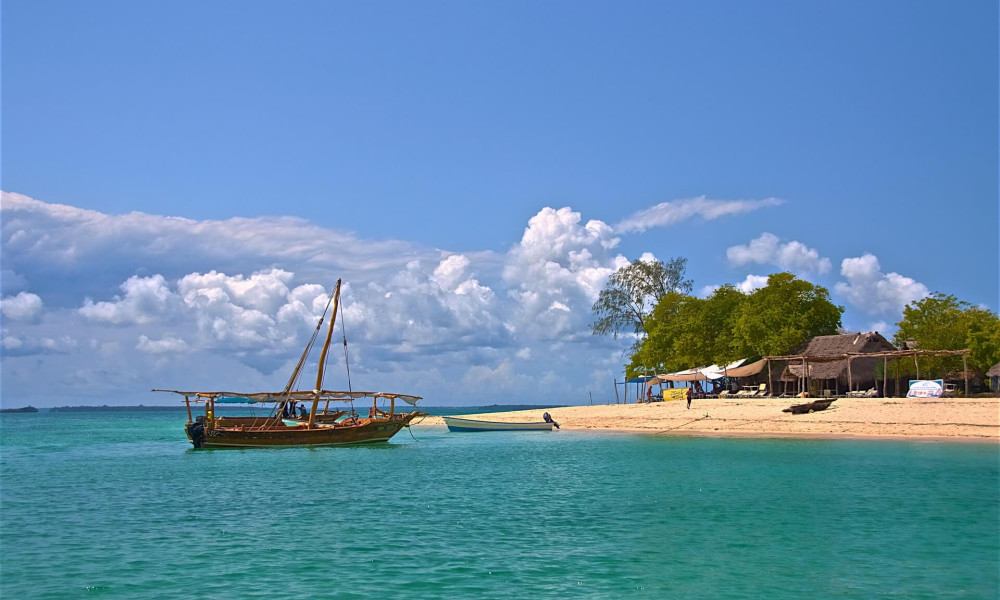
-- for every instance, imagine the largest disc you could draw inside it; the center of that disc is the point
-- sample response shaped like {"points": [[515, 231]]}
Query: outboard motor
{"points": [[196, 431]]}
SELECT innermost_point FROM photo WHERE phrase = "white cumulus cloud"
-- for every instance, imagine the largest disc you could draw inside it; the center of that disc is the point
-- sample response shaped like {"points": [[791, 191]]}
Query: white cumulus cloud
{"points": [[145, 299], [172, 302], [790, 256], [876, 293], [557, 271], [751, 283], [22, 307]]}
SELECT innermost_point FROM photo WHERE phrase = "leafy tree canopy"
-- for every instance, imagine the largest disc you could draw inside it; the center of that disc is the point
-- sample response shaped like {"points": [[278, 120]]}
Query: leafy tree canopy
{"points": [[781, 315], [943, 322], [685, 331], [632, 292]]}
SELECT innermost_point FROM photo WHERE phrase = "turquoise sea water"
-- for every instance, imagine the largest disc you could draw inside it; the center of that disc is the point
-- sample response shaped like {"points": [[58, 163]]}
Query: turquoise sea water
{"points": [[117, 505]]}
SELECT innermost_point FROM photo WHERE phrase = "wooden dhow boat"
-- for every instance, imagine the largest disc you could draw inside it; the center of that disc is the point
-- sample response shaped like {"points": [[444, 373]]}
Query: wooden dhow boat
{"points": [[282, 425]]}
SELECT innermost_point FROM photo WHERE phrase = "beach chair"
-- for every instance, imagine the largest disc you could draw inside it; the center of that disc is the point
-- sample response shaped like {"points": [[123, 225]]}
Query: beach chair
{"points": [[762, 391]]}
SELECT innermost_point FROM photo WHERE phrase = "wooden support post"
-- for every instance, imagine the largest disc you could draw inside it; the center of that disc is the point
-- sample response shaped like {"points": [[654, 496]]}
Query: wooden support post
{"points": [[916, 364], [187, 402], [850, 378], [965, 370], [770, 383], [885, 378], [804, 383]]}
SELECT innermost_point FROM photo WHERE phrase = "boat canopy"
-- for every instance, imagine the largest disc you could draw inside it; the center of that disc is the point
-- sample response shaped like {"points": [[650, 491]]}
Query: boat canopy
{"points": [[225, 397]]}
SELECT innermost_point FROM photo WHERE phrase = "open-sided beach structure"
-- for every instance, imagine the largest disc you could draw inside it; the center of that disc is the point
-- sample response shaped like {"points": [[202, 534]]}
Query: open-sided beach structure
{"points": [[825, 358], [828, 358], [846, 364], [993, 374]]}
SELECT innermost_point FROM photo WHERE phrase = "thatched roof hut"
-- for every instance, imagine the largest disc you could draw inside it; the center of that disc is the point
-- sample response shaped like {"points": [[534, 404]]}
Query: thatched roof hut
{"points": [[993, 376], [825, 360]]}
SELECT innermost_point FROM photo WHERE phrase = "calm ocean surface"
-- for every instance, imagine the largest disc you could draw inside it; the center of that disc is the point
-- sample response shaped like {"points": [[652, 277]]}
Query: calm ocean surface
{"points": [[117, 505]]}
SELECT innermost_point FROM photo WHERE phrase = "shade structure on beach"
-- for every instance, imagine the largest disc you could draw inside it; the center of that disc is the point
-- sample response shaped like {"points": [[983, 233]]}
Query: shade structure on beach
{"points": [[709, 373], [746, 370], [689, 375]]}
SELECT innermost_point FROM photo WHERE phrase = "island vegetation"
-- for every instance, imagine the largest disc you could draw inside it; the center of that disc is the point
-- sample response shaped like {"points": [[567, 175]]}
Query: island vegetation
{"points": [[651, 302]]}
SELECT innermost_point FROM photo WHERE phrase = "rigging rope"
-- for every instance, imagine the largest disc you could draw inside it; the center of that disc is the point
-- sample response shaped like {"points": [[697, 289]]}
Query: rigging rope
{"points": [[294, 378], [347, 362]]}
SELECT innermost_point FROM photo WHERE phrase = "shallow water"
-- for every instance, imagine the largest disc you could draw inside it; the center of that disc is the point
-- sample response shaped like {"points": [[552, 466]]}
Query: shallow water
{"points": [[117, 505]]}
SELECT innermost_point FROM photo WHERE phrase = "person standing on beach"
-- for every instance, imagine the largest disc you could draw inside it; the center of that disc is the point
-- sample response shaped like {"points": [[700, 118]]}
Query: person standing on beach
{"points": [[689, 394]]}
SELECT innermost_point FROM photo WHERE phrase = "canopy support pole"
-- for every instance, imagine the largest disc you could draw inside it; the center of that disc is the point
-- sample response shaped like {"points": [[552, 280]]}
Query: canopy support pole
{"points": [[770, 383], [965, 370], [803, 384], [850, 378], [885, 376]]}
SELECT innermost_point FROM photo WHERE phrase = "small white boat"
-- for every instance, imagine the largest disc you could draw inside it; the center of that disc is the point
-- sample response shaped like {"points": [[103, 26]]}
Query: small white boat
{"points": [[458, 424]]}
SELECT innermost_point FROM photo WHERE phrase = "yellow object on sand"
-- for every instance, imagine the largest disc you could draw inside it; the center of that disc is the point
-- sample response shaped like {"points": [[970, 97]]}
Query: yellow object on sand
{"points": [[674, 394]]}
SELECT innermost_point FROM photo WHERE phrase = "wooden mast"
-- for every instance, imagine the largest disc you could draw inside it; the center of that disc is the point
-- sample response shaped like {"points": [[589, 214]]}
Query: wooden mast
{"points": [[322, 358]]}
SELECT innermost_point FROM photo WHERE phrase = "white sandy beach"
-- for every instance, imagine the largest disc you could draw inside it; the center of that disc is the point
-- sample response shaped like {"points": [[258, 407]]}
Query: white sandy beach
{"points": [[953, 419]]}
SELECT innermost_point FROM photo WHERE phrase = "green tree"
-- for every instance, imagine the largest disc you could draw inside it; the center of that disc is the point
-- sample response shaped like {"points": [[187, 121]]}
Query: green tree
{"points": [[943, 322], [685, 331], [658, 349], [783, 314], [632, 292]]}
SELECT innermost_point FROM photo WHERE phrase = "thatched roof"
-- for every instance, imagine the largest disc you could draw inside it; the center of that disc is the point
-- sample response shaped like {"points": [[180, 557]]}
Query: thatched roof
{"points": [[994, 371], [829, 346], [844, 343]]}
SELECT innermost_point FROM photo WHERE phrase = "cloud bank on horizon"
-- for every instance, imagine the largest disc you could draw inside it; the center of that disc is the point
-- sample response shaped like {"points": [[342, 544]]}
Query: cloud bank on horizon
{"points": [[102, 307]]}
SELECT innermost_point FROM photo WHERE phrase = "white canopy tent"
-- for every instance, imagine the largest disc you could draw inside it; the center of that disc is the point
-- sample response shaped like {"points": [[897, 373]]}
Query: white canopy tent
{"points": [[709, 373]]}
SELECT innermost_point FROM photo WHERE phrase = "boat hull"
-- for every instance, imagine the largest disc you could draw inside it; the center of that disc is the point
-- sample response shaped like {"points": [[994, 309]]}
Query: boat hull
{"points": [[365, 431], [469, 425]]}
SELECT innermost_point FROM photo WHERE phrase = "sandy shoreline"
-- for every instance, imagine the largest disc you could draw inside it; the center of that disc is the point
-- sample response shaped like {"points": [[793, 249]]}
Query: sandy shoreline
{"points": [[951, 419]]}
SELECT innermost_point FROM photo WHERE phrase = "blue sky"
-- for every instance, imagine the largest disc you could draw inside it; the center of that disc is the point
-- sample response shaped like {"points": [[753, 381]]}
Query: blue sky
{"points": [[475, 171]]}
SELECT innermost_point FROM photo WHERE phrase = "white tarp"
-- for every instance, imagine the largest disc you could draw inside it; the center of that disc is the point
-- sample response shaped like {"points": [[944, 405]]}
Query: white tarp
{"points": [[708, 373]]}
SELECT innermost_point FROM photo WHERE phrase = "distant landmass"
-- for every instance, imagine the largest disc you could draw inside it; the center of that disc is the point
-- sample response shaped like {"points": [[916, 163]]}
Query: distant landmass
{"points": [[106, 408], [23, 409]]}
